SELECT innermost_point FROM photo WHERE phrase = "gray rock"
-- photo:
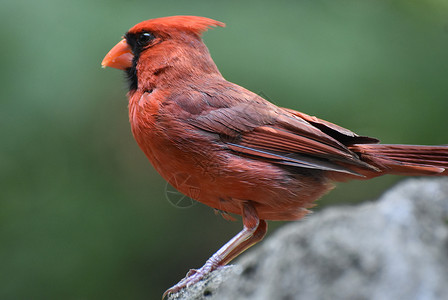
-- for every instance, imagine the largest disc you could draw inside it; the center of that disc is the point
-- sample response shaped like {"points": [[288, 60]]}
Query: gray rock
{"points": [[393, 248]]}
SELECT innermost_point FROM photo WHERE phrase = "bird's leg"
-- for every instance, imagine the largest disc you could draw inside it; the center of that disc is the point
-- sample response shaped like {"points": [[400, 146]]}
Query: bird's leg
{"points": [[253, 231], [257, 236]]}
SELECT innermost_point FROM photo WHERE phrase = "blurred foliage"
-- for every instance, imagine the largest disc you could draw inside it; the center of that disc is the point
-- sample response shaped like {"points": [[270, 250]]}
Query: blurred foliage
{"points": [[84, 216]]}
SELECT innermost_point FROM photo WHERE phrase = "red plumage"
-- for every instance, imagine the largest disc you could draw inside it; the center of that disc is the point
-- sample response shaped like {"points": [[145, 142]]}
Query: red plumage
{"points": [[232, 149], [179, 24]]}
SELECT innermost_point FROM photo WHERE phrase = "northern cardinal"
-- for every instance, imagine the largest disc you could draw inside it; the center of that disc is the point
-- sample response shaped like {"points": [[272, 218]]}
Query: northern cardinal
{"points": [[229, 148]]}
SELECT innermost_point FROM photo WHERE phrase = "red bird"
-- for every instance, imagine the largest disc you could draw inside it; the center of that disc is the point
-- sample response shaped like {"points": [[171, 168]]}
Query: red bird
{"points": [[240, 153]]}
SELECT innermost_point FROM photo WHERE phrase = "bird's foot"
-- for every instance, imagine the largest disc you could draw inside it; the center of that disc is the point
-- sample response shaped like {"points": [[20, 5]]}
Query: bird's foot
{"points": [[193, 276]]}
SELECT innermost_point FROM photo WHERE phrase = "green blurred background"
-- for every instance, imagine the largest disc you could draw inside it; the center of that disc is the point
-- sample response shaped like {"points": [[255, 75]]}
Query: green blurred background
{"points": [[82, 213]]}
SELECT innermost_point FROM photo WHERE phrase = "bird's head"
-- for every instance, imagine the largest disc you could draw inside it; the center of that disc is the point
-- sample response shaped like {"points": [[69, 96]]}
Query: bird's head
{"points": [[163, 50]]}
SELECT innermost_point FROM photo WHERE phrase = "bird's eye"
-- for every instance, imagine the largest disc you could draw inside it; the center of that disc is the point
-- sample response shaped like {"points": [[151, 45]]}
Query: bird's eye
{"points": [[145, 38]]}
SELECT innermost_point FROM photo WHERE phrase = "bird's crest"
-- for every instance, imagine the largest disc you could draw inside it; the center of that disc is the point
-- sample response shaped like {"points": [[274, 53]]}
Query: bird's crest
{"points": [[193, 24]]}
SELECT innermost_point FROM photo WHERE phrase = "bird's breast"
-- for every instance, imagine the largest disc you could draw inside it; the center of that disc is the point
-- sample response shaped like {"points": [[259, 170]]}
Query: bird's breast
{"points": [[144, 112], [171, 146]]}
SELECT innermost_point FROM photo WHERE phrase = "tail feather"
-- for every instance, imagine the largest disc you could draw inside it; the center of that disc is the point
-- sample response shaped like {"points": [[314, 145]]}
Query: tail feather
{"points": [[412, 160]]}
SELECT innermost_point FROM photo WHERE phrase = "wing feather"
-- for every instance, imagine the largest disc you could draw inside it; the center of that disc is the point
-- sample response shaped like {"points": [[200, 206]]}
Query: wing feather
{"points": [[249, 125]]}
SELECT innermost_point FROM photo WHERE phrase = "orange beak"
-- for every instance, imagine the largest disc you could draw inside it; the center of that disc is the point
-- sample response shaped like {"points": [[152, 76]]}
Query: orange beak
{"points": [[119, 57]]}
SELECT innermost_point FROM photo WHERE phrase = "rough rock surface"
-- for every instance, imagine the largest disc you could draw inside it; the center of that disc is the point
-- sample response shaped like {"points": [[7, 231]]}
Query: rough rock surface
{"points": [[393, 248]]}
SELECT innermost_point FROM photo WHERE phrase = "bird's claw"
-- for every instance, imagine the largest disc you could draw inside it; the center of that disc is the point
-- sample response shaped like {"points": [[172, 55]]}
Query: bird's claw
{"points": [[191, 272], [193, 276]]}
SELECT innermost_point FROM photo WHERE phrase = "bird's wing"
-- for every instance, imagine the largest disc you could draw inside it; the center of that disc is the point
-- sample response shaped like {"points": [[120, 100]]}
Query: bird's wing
{"points": [[345, 136], [261, 130]]}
